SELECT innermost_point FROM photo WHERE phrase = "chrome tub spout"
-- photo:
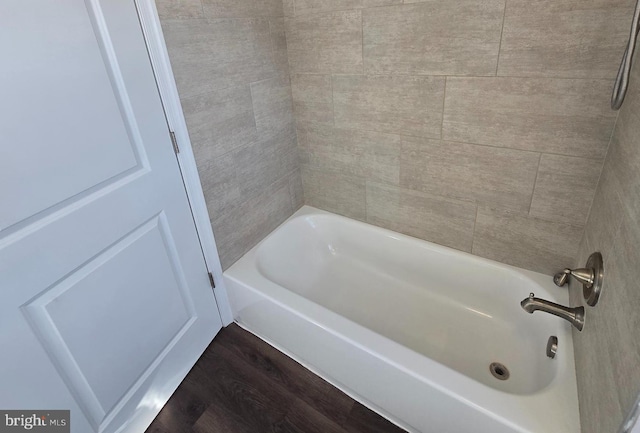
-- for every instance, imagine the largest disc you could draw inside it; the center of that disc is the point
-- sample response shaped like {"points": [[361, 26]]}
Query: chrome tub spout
{"points": [[575, 316]]}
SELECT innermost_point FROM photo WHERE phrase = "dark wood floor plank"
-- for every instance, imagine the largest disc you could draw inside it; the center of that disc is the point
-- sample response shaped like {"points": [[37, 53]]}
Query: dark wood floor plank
{"points": [[181, 414], [272, 363], [226, 380], [219, 419], [284, 371], [302, 418], [363, 420], [334, 405], [156, 427], [243, 385]]}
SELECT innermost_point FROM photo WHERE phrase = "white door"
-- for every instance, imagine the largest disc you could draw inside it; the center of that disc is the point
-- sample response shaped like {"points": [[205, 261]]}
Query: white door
{"points": [[105, 297]]}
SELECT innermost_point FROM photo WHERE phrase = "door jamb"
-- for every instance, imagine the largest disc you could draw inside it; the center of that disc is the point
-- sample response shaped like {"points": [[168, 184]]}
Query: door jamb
{"points": [[161, 65]]}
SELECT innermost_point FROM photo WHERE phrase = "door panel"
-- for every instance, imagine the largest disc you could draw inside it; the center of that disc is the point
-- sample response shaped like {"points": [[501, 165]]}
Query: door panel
{"points": [[106, 297], [144, 258], [47, 131]]}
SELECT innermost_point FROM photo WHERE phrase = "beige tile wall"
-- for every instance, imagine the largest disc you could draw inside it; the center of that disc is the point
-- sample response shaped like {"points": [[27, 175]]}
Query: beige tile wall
{"points": [[230, 61], [608, 349], [481, 125]]}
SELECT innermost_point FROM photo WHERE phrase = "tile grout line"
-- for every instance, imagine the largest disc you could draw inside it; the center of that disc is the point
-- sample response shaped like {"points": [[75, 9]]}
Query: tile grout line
{"points": [[273, 47], [477, 77], [444, 104], [362, 38], [253, 107], [475, 224], [366, 207], [293, 105], [347, 9], [424, 194], [535, 183], [333, 103], [604, 160], [504, 17], [493, 146]]}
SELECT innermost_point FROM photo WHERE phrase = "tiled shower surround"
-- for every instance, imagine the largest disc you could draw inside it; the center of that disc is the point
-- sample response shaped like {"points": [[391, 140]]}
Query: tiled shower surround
{"points": [[230, 63], [608, 349], [480, 125]]}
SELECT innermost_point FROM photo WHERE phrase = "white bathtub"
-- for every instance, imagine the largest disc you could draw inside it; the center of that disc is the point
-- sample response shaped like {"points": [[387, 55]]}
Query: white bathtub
{"points": [[409, 328]]}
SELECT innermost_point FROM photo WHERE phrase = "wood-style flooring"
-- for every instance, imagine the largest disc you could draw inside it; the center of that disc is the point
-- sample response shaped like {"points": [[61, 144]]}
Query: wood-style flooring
{"points": [[243, 385]]}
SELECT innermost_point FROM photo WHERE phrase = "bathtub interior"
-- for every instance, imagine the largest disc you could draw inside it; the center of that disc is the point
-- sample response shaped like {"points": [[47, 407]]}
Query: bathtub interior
{"points": [[454, 308]]}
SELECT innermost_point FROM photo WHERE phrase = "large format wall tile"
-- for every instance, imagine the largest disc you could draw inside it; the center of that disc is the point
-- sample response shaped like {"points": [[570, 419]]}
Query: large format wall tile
{"points": [[616, 209], [261, 164], [594, 372], [371, 155], [394, 104], [565, 188], [272, 105], [220, 185], [242, 8], [325, 44], [620, 311], [296, 189], [606, 214], [625, 157], [280, 54], [232, 72], [312, 98], [564, 38], [220, 121], [523, 241], [288, 7], [436, 219], [489, 175], [230, 179], [239, 228], [433, 37], [609, 378], [568, 117], [170, 9], [316, 6], [209, 55], [335, 192], [612, 327]]}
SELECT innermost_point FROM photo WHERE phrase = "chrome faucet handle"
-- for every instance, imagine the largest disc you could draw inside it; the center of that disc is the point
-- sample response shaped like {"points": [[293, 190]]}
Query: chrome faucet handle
{"points": [[590, 277], [562, 277], [585, 276]]}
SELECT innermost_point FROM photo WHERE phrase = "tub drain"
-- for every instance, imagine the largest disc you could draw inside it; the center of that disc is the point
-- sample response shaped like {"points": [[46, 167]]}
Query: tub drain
{"points": [[499, 371]]}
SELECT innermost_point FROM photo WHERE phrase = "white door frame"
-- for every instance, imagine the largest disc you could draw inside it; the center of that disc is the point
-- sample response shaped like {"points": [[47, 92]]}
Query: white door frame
{"points": [[165, 80]]}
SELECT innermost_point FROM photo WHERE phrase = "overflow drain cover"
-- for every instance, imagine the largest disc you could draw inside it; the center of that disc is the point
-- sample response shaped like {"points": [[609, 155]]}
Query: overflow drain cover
{"points": [[499, 371]]}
